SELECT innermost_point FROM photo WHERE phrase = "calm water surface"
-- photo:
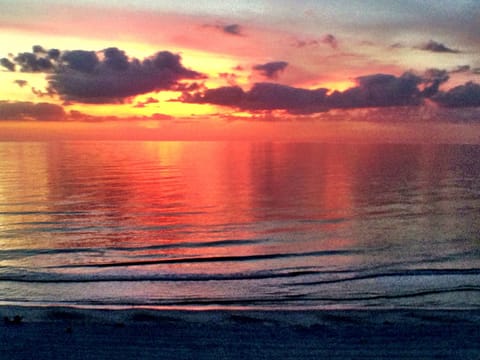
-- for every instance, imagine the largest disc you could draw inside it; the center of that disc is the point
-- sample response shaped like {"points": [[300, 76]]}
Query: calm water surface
{"points": [[250, 225]]}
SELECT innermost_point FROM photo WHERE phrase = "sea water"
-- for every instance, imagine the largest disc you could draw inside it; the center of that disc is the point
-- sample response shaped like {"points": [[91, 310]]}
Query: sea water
{"points": [[239, 225]]}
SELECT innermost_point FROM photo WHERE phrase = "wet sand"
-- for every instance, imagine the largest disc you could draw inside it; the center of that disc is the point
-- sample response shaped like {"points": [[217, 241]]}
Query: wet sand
{"points": [[71, 333]]}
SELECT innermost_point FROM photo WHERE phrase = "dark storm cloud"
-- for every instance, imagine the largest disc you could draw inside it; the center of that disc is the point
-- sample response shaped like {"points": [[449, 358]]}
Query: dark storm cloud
{"points": [[467, 95], [37, 49], [30, 62], [106, 76], [271, 69], [378, 90], [432, 79], [115, 59], [434, 46], [31, 111], [262, 96], [6, 63], [225, 96], [84, 77], [269, 96], [80, 60], [53, 54]]}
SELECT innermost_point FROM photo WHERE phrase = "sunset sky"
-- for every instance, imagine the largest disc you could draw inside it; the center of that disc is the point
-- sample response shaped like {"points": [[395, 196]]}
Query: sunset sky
{"points": [[255, 69]]}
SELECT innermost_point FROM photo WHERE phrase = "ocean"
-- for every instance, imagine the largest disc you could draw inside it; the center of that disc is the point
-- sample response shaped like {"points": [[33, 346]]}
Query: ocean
{"points": [[239, 225]]}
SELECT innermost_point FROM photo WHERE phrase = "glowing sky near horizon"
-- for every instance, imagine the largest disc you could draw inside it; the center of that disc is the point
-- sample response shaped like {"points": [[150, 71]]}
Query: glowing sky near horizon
{"points": [[254, 62]]}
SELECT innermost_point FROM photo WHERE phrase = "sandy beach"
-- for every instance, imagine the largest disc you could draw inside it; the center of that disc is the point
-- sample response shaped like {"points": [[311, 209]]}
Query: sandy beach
{"points": [[71, 333]]}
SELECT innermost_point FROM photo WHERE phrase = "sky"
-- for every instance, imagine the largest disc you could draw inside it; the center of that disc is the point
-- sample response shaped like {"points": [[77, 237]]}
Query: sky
{"points": [[406, 71]]}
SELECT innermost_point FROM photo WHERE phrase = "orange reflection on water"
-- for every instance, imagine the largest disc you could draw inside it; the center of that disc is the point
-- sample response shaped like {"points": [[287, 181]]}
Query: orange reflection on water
{"points": [[24, 190], [164, 193], [164, 200]]}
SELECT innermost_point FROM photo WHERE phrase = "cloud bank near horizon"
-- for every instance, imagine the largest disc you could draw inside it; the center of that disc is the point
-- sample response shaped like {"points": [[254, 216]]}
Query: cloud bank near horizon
{"points": [[109, 76], [376, 90]]}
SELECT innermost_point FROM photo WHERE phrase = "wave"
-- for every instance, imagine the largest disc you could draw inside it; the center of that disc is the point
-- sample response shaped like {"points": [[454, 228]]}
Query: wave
{"points": [[305, 299], [276, 302], [41, 277], [212, 259], [401, 273], [332, 276], [323, 299], [19, 253]]}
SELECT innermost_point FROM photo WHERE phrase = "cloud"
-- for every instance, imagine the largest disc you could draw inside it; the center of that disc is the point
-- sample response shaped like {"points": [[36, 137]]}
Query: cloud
{"points": [[157, 117], [75, 115], [42, 93], [330, 40], [6, 63], [31, 62], [437, 47], [304, 43], [460, 69], [432, 79], [31, 111], [378, 90], [21, 83], [106, 76], [230, 78], [262, 96], [467, 95], [327, 39], [232, 29], [269, 96], [397, 45], [182, 87], [150, 100], [37, 49], [271, 69], [53, 54], [225, 96], [84, 77], [80, 60], [40, 60]]}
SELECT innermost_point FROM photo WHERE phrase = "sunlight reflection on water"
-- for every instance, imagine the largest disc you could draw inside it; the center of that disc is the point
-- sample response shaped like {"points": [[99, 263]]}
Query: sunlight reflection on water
{"points": [[239, 224]]}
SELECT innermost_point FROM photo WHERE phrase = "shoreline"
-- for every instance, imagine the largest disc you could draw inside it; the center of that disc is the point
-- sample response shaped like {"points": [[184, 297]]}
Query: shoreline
{"points": [[79, 333]]}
